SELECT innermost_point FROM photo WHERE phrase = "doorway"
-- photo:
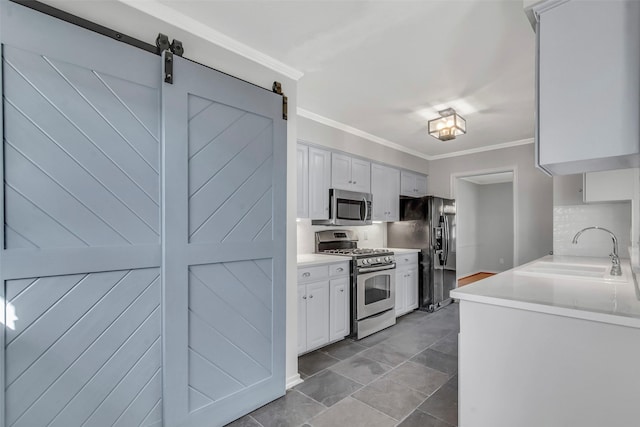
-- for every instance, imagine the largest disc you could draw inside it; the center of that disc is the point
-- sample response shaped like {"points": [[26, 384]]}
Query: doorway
{"points": [[486, 241]]}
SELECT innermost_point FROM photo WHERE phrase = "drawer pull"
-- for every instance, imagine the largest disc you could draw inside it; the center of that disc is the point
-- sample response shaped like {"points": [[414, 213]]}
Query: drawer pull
{"points": [[307, 274], [339, 269], [341, 290], [310, 296], [406, 259], [304, 297]]}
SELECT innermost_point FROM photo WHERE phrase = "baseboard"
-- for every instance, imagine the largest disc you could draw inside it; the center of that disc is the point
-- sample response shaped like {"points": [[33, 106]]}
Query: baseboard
{"points": [[293, 381]]}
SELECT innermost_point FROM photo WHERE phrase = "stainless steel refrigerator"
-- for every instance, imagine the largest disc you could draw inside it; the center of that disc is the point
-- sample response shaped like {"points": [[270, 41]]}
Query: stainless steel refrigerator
{"points": [[429, 224]]}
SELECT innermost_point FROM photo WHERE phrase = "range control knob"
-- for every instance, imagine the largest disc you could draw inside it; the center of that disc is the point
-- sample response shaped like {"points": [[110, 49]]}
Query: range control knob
{"points": [[378, 260], [387, 259], [365, 261]]}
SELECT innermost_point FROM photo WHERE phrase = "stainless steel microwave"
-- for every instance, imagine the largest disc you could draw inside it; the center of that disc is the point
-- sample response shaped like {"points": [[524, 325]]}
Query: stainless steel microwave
{"points": [[347, 208]]}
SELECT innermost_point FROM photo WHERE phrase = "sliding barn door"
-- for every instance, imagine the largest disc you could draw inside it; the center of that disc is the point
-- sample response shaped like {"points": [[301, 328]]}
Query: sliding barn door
{"points": [[224, 160], [81, 243]]}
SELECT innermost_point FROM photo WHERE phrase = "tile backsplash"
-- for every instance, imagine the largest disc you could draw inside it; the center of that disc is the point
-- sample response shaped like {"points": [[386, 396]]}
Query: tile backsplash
{"points": [[370, 236], [568, 220]]}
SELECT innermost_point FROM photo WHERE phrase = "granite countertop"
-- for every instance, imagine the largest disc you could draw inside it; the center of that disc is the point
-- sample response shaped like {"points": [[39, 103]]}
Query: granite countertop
{"points": [[320, 259], [583, 298]]}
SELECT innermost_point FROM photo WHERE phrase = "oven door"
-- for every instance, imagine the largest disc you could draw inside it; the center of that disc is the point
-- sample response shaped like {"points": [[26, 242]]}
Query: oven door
{"points": [[376, 292]]}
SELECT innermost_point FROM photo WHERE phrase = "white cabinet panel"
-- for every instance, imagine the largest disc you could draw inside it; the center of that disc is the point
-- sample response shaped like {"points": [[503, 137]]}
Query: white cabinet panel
{"points": [[302, 319], [413, 184], [302, 169], [385, 187], [610, 185], [319, 183], [341, 171], [361, 175], [401, 304], [317, 314], [406, 283], [339, 306], [588, 105], [348, 173], [412, 289]]}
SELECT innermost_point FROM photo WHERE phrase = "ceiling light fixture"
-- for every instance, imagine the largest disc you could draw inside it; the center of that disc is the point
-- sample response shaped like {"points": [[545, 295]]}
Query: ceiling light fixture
{"points": [[449, 125]]}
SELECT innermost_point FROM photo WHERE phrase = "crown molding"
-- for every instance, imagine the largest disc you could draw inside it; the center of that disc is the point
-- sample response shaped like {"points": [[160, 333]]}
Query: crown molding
{"points": [[357, 132], [175, 17], [483, 149]]}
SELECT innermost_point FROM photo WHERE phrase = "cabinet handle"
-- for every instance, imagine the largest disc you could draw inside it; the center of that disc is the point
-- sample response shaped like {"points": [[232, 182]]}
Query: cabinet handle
{"points": [[307, 274], [341, 290], [406, 259], [304, 297], [349, 182], [310, 296], [354, 182], [339, 269]]}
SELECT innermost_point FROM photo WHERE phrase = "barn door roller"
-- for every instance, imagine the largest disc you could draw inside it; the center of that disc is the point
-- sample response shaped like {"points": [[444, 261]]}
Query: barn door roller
{"points": [[173, 48], [277, 88]]}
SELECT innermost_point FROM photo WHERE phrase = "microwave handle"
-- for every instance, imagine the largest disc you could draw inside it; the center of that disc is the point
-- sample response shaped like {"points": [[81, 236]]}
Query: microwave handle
{"points": [[366, 208]]}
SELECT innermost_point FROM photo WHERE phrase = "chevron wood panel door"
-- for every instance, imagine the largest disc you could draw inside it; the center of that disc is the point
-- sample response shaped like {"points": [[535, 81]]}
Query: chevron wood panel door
{"points": [[80, 250], [224, 256]]}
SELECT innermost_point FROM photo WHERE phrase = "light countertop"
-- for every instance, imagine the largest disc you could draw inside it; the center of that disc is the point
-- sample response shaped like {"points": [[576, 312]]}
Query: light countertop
{"points": [[589, 299], [403, 250], [305, 260]]}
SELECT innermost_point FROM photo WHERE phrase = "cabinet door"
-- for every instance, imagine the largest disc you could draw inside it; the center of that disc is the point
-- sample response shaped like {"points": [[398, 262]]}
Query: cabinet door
{"points": [[302, 319], [339, 308], [360, 176], [341, 171], [609, 186], [411, 288], [407, 184], [302, 169], [421, 185], [379, 189], [319, 182], [317, 314], [588, 117], [400, 292], [393, 194]]}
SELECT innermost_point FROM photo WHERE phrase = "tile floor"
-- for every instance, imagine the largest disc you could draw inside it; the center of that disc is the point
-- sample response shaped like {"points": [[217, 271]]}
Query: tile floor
{"points": [[402, 376]]}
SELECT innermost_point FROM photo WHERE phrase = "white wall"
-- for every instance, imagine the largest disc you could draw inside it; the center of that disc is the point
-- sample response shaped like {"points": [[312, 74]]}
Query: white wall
{"points": [[467, 234], [485, 227], [137, 24], [495, 227], [534, 206]]}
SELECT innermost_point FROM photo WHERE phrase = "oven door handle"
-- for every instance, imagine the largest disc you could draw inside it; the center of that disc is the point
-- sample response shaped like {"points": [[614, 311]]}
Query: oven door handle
{"points": [[373, 269]]}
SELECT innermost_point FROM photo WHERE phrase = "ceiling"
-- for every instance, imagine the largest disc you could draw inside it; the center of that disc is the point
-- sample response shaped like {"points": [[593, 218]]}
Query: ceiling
{"points": [[385, 67]]}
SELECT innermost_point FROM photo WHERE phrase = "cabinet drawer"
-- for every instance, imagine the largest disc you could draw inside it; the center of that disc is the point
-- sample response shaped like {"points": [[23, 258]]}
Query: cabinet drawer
{"points": [[340, 269], [406, 259], [309, 274]]}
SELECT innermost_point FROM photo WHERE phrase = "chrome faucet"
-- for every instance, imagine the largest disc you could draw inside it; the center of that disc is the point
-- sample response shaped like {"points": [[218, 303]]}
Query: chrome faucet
{"points": [[615, 259]]}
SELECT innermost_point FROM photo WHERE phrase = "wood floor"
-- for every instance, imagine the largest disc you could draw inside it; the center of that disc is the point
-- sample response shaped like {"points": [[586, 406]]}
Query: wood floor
{"points": [[474, 278]]}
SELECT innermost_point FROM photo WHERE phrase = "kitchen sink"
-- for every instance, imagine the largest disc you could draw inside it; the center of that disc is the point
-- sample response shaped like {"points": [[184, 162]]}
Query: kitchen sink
{"points": [[571, 271]]}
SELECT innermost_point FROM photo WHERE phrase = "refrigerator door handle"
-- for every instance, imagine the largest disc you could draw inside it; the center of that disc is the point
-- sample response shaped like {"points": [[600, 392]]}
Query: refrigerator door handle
{"points": [[446, 240]]}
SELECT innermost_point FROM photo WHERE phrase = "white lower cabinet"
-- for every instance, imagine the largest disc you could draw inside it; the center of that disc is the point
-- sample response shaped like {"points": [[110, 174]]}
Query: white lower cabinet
{"points": [[317, 297], [339, 308], [406, 283], [323, 305]]}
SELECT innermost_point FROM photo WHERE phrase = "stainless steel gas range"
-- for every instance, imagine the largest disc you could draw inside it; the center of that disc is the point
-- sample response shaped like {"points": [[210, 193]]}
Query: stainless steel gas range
{"points": [[373, 283]]}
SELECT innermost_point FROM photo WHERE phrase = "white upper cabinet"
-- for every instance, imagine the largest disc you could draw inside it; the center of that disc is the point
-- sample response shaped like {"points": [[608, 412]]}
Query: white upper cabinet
{"points": [[610, 186], [588, 82], [302, 168], [319, 183], [385, 187], [348, 173], [413, 184]]}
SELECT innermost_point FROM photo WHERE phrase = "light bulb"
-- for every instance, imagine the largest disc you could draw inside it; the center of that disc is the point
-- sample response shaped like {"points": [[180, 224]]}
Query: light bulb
{"points": [[440, 126], [450, 123]]}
